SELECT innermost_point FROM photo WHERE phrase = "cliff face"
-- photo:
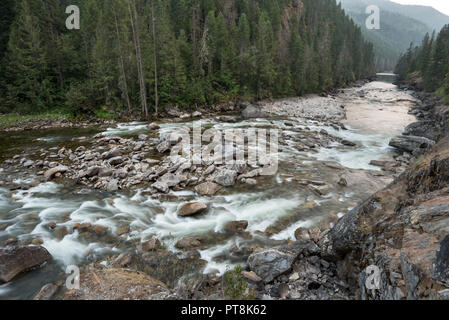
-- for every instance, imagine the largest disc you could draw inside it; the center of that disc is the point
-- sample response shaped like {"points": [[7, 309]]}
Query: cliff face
{"points": [[403, 229]]}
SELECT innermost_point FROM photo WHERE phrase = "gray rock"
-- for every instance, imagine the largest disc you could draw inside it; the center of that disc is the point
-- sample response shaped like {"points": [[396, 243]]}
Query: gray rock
{"points": [[47, 292], [112, 185], [116, 161], [412, 143], [163, 147], [271, 263], [226, 177], [251, 112], [142, 137], [191, 209], [207, 188], [50, 173], [111, 154], [14, 261], [161, 186], [28, 163]]}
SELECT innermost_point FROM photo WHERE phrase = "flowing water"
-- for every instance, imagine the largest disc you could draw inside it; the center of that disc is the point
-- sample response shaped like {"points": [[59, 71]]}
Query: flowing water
{"points": [[277, 203]]}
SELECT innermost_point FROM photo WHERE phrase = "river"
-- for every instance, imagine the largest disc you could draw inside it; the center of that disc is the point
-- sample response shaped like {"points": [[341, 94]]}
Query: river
{"points": [[274, 208]]}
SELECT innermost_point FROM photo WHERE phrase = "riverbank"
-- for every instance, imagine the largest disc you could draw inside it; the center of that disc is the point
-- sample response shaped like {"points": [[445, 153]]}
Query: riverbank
{"points": [[402, 230], [326, 168]]}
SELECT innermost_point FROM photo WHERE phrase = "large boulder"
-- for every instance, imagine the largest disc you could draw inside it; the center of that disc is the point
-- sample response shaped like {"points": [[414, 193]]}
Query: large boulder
{"points": [[273, 262], [14, 261], [412, 144], [191, 209], [252, 112]]}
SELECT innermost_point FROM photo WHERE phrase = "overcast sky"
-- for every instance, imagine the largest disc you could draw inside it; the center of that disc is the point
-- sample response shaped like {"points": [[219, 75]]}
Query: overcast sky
{"points": [[441, 5]]}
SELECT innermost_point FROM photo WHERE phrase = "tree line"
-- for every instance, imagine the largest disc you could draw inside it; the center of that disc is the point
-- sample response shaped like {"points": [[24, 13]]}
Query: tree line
{"points": [[141, 55], [428, 63]]}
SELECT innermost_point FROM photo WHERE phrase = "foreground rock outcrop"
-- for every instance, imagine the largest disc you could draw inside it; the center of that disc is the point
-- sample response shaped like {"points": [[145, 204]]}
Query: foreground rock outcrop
{"points": [[116, 284]]}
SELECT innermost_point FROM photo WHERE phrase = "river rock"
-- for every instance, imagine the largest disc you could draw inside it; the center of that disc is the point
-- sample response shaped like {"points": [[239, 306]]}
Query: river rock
{"points": [[50, 173], [226, 177], [116, 161], [207, 188], [164, 146], [302, 234], [100, 230], [153, 126], [188, 243], [142, 137], [112, 185], [412, 143], [343, 182], [151, 245], [251, 276], [348, 143], [236, 226], [271, 263], [161, 186], [92, 171], [251, 112], [191, 209], [47, 292], [14, 261], [111, 154]]}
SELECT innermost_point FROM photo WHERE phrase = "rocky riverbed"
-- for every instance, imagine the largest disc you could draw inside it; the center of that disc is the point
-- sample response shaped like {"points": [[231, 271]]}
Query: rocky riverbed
{"points": [[116, 197]]}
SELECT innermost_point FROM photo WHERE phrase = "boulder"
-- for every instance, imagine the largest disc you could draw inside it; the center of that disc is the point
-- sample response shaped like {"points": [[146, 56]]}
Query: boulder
{"points": [[191, 209], [142, 137], [151, 245], [50, 173], [111, 154], [164, 146], [100, 230], [226, 177], [161, 186], [251, 112], [273, 262], [188, 243], [14, 261], [302, 234], [236, 226], [207, 188], [412, 143], [92, 171], [112, 185], [116, 161], [153, 126], [47, 292]]}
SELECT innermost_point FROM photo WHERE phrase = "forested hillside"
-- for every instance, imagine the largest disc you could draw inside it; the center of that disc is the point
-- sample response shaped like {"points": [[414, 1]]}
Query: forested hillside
{"points": [[400, 25], [428, 65], [132, 55]]}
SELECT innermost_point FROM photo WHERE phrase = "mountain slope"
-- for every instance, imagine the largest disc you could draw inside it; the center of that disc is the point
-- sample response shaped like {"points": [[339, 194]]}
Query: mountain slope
{"points": [[400, 25]]}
